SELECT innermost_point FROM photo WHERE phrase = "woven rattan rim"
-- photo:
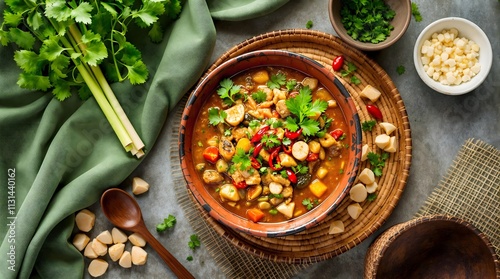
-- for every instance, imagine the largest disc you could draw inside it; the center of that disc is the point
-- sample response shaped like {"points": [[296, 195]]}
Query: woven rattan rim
{"points": [[316, 244], [381, 244]]}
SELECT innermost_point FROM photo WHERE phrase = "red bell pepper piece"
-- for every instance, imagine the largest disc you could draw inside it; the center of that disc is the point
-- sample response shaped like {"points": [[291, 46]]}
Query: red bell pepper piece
{"points": [[374, 111], [240, 185], [291, 176], [287, 148], [258, 136], [337, 133], [211, 154]]}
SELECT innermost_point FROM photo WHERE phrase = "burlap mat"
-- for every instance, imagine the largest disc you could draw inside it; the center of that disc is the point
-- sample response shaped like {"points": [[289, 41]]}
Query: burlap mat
{"points": [[471, 190]]}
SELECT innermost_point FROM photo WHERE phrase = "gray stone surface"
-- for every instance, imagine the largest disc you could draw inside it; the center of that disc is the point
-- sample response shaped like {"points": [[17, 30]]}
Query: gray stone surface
{"points": [[440, 125]]}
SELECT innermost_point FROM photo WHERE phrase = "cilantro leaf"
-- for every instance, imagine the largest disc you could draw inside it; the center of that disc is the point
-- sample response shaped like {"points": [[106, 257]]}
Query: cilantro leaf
{"points": [[21, 38], [368, 125], [167, 223], [34, 82], [290, 84], [228, 91], [307, 202], [371, 197], [309, 24], [216, 116], [28, 61], [303, 108], [259, 96], [137, 73], [270, 140], [194, 242], [377, 162], [82, 13], [241, 159], [277, 80], [416, 12], [400, 69]]}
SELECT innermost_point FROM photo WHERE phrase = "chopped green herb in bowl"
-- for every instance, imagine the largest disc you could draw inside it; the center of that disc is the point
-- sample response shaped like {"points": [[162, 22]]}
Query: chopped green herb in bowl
{"points": [[370, 24]]}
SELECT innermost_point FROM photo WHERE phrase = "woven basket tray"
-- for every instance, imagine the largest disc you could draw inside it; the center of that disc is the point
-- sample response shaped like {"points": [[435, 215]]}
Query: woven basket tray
{"points": [[316, 244]]}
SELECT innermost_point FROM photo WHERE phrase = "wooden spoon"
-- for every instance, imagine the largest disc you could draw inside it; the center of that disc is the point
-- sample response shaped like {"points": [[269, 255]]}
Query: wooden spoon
{"points": [[124, 212]]}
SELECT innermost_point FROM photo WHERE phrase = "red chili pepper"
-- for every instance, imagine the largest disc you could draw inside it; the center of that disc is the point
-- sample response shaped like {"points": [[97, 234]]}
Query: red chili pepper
{"points": [[312, 157], [291, 176], [287, 149], [274, 155], [255, 163], [337, 133], [374, 111], [240, 185], [338, 62], [293, 135], [258, 136], [211, 154], [257, 149]]}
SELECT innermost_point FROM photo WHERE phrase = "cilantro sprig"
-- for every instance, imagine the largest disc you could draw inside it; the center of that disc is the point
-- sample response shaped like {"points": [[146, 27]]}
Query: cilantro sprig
{"points": [[277, 80], [194, 242], [368, 125], [167, 223], [229, 92], [377, 161], [241, 159], [259, 96], [62, 46], [302, 107], [416, 12], [216, 116]]}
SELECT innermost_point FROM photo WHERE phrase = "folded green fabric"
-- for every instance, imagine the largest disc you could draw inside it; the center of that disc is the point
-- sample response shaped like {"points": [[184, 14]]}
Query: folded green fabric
{"points": [[58, 157]]}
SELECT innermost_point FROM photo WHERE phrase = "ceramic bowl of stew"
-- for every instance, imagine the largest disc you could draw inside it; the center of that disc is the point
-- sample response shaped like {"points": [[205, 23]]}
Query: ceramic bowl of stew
{"points": [[270, 143]]}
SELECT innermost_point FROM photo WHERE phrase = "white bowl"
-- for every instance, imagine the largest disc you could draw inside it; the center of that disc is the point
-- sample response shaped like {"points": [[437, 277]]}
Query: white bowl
{"points": [[465, 29]]}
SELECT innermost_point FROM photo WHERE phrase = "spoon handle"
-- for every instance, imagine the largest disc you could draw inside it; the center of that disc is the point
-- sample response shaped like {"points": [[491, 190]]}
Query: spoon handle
{"points": [[170, 260]]}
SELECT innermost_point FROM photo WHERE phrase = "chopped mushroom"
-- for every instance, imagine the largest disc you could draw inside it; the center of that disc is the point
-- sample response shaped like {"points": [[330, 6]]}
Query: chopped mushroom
{"points": [[212, 177]]}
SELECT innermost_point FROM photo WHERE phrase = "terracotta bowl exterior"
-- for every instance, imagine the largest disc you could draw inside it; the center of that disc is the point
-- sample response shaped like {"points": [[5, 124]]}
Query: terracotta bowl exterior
{"points": [[433, 247], [208, 86], [400, 22]]}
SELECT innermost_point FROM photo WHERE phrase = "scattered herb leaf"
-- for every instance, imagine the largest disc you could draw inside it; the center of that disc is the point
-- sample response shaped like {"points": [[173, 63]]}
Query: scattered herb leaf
{"points": [[377, 162], [368, 125], [228, 91], [194, 241], [241, 159], [400, 69], [189, 258], [371, 197], [309, 24], [277, 80], [259, 96], [168, 222], [416, 12]]}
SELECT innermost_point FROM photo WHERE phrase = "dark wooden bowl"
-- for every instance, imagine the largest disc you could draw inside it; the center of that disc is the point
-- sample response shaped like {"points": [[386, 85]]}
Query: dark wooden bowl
{"points": [[432, 247]]}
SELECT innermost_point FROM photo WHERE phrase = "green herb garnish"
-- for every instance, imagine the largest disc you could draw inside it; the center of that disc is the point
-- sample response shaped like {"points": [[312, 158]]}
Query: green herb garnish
{"points": [[259, 96], [309, 204], [189, 258], [400, 69], [276, 81], [241, 159], [371, 197], [270, 140], [377, 162], [194, 242], [216, 116], [303, 108], [416, 12], [368, 125], [168, 222], [290, 84], [367, 21], [229, 92], [309, 24]]}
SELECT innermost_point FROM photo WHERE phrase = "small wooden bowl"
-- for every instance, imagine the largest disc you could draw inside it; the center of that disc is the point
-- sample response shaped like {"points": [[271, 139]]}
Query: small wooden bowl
{"points": [[400, 22], [432, 247]]}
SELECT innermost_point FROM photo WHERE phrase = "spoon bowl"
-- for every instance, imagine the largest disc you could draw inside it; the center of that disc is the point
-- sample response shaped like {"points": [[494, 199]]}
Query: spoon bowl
{"points": [[123, 211]]}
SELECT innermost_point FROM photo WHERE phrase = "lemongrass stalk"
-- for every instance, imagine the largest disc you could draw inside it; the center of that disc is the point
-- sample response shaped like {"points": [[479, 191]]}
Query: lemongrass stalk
{"points": [[136, 140], [103, 103]]}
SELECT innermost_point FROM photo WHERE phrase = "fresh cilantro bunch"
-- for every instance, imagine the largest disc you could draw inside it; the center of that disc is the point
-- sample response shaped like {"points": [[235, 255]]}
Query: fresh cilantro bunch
{"points": [[303, 108], [62, 45], [367, 20]]}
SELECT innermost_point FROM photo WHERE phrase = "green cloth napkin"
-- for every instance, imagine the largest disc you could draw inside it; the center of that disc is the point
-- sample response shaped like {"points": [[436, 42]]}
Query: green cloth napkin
{"points": [[58, 157]]}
